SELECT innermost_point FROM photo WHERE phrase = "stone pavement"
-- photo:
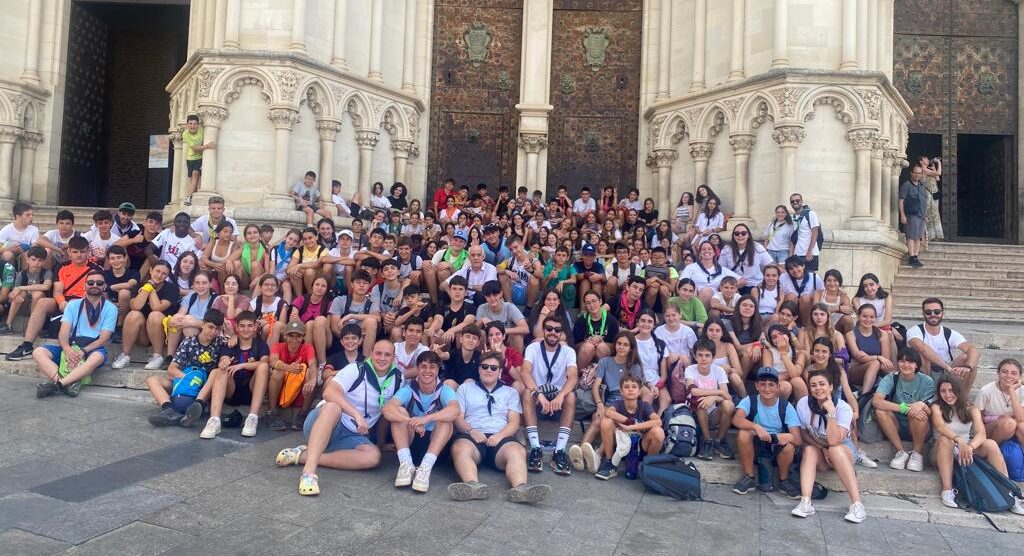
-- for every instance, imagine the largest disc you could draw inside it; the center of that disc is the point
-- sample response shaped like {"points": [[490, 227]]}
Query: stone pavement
{"points": [[90, 476]]}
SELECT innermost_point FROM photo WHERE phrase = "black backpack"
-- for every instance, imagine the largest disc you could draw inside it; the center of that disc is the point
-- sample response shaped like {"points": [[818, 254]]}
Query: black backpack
{"points": [[783, 406], [984, 489], [795, 236], [671, 476]]}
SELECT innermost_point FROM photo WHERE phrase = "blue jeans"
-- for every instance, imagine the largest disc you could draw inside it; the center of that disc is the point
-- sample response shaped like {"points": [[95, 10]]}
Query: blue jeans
{"points": [[779, 255]]}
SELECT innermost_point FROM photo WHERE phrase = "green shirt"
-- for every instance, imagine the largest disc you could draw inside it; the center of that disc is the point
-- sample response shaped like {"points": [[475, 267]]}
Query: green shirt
{"points": [[192, 140], [692, 310], [563, 274], [920, 389]]}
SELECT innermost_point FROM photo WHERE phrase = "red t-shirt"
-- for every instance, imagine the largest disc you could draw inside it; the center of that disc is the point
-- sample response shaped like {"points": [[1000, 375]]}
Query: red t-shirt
{"points": [[303, 355], [441, 198], [512, 359]]}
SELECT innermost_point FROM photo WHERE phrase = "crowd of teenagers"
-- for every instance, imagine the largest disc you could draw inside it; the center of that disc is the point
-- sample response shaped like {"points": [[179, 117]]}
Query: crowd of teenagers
{"points": [[466, 321]]}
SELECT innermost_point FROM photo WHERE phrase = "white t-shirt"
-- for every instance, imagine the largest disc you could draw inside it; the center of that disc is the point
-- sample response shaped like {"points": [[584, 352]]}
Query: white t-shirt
{"points": [[844, 418], [938, 342], [9, 235], [648, 352], [711, 381], [53, 236], [364, 397], [704, 278], [476, 278], [473, 402], [777, 235], [813, 284], [730, 303], [580, 206], [201, 226], [704, 224], [339, 201], [804, 233], [566, 357], [96, 242], [768, 300], [679, 342], [991, 401], [752, 272], [406, 360], [171, 246]]}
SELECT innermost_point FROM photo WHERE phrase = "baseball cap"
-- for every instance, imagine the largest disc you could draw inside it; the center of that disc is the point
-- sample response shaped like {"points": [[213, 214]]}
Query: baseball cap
{"points": [[346, 233], [767, 373], [294, 327], [461, 234], [126, 207], [491, 228], [589, 250]]}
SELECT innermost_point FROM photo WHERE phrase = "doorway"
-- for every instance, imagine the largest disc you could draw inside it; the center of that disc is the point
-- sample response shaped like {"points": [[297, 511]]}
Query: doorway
{"points": [[985, 200], [120, 57]]}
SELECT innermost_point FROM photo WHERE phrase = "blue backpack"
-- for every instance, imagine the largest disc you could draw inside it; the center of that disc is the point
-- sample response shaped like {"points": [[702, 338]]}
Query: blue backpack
{"points": [[1013, 454], [668, 475], [984, 489]]}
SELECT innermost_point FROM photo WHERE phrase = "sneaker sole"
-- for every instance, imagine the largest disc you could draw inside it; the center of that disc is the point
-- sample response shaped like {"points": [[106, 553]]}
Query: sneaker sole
{"points": [[803, 514], [402, 484], [853, 519], [248, 434], [464, 492], [532, 495], [742, 492], [559, 471], [161, 421], [591, 462], [194, 412], [576, 457], [607, 477], [420, 487]]}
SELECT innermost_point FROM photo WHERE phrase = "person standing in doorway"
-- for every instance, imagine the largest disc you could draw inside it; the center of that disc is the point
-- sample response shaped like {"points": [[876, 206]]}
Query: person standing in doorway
{"points": [[194, 149], [913, 206], [932, 172]]}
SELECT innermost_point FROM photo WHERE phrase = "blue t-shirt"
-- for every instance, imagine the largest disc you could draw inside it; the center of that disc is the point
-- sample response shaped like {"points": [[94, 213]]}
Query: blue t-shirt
{"points": [[496, 257], [596, 268], [78, 317], [768, 417], [405, 396]]}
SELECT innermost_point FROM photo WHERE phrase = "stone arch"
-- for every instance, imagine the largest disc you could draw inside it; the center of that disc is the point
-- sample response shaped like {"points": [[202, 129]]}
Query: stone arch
{"points": [[848, 106], [8, 113], [30, 115], [756, 111], [393, 121], [319, 99], [228, 86], [712, 121], [357, 107], [673, 130]]}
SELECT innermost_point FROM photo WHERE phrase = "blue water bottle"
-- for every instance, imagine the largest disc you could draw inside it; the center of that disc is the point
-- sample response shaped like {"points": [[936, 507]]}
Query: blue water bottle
{"points": [[633, 458]]}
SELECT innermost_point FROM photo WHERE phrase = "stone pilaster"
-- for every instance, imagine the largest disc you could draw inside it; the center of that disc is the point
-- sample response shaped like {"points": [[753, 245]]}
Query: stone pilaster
{"points": [[863, 140], [788, 138], [283, 118], [742, 144], [366, 140], [327, 129], [663, 160]]}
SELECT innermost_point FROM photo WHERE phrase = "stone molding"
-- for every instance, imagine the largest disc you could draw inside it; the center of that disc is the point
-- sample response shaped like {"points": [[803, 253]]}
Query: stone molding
{"points": [[22, 107], [328, 129], [664, 158], [533, 143], [404, 149], [283, 118], [789, 135], [701, 151], [367, 139], [862, 139], [742, 143]]}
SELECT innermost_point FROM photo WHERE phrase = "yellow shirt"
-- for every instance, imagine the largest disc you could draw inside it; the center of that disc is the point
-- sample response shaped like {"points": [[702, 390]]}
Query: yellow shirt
{"points": [[192, 140]]}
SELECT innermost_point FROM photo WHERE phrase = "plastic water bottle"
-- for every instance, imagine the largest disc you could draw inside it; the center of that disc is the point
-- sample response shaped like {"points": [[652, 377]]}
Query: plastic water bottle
{"points": [[633, 458]]}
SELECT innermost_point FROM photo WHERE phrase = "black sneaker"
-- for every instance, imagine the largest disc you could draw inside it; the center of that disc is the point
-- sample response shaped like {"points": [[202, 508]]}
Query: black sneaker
{"points": [[21, 352], [535, 461], [45, 389], [4, 329], [789, 488], [607, 471], [72, 390], [192, 414], [116, 337], [277, 423], [723, 449], [167, 417], [560, 463], [707, 450], [744, 485]]}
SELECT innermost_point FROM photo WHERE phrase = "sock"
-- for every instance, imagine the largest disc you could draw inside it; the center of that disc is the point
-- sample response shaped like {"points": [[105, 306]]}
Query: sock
{"points": [[533, 437], [428, 462], [165, 405], [217, 419], [563, 438], [26, 344], [405, 456]]}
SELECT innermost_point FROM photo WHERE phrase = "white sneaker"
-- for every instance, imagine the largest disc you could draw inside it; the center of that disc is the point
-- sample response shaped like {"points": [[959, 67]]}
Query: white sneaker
{"points": [[804, 508], [1018, 507], [916, 462], [252, 422], [155, 362], [899, 461], [422, 481], [121, 361], [591, 459], [857, 513], [576, 457], [949, 498], [404, 477], [866, 461], [212, 428]]}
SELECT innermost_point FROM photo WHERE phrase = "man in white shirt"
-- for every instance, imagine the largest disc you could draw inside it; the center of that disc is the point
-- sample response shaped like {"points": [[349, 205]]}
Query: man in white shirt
{"points": [[206, 225], [477, 272], [19, 235], [549, 375], [808, 228], [937, 343], [584, 205], [174, 242]]}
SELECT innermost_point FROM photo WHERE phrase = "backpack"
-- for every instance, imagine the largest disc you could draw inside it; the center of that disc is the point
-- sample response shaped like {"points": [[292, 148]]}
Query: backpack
{"points": [[795, 236], [984, 489], [414, 401], [1013, 454], [670, 476], [324, 305], [947, 332], [194, 297], [783, 405], [681, 432]]}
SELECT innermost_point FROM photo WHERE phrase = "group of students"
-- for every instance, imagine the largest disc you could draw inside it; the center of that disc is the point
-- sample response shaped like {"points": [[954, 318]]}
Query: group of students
{"points": [[460, 337]]}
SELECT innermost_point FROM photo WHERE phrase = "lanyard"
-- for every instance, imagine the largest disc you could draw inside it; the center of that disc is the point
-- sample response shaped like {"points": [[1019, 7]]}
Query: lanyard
{"points": [[544, 354], [800, 289], [604, 322], [710, 277], [490, 394], [372, 378]]}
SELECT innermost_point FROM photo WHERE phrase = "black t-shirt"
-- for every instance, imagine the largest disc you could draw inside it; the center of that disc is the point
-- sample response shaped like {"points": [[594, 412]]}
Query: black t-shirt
{"points": [[629, 321], [168, 292], [426, 313], [258, 350], [648, 217], [459, 370], [339, 360], [452, 317], [111, 280], [137, 251], [581, 331]]}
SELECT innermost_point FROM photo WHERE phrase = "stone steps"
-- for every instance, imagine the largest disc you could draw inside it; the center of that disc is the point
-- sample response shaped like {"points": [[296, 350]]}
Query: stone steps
{"points": [[966, 262], [960, 273], [943, 248], [923, 285]]}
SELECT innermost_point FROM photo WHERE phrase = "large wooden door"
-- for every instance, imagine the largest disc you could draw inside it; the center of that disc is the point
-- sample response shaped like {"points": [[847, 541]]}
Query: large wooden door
{"points": [[474, 124], [956, 65], [595, 91]]}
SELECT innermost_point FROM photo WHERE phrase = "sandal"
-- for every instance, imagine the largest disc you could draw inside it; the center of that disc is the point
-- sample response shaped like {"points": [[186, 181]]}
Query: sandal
{"points": [[309, 485], [290, 456]]}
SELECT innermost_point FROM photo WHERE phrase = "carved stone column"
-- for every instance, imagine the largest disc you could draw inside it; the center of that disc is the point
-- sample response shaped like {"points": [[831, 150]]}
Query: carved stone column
{"points": [[212, 117], [780, 58], [862, 33], [888, 158], [533, 144], [877, 152], [664, 159], [30, 74], [328, 129], [701, 152], [220, 23], [179, 179], [234, 16], [298, 43], [849, 61], [376, 42], [409, 48], [898, 165], [788, 138], [402, 150], [8, 136], [873, 23], [742, 144], [664, 50], [862, 140], [29, 141], [340, 33], [739, 20], [283, 119], [367, 141], [700, 16]]}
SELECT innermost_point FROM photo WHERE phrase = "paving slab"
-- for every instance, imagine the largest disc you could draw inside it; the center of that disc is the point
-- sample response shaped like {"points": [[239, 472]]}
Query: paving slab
{"points": [[16, 542], [134, 539]]}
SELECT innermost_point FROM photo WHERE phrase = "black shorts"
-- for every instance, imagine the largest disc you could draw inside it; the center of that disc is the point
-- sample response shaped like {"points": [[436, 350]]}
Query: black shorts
{"points": [[242, 394], [418, 448], [194, 166], [487, 453], [811, 265]]}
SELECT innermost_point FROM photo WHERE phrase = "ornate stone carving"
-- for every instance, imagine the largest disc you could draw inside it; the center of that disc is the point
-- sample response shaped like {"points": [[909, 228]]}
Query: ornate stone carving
{"points": [[789, 135], [235, 89], [786, 98], [338, 91], [353, 111], [592, 143], [595, 45], [206, 77], [664, 158], [693, 114], [915, 82], [567, 84], [388, 123], [733, 105], [892, 158], [761, 115], [314, 101], [718, 124], [175, 137], [212, 116], [402, 148], [288, 81], [649, 162], [31, 139], [654, 130], [367, 139], [377, 105], [986, 83], [701, 150], [328, 129], [862, 138], [413, 117], [478, 43], [873, 102], [879, 145], [533, 143], [742, 143], [837, 104], [504, 81], [9, 133], [283, 118]]}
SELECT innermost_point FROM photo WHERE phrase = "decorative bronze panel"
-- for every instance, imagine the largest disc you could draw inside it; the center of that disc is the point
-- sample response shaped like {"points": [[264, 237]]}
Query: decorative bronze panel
{"points": [[922, 17], [920, 74], [984, 18], [595, 92], [476, 59], [984, 85]]}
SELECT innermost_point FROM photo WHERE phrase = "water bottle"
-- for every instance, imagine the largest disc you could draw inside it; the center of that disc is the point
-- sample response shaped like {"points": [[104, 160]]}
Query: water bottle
{"points": [[8, 274], [764, 473], [633, 458]]}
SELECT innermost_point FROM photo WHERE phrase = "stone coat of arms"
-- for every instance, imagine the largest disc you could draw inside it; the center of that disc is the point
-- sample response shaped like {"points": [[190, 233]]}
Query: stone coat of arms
{"points": [[478, 43], [595, 44]]}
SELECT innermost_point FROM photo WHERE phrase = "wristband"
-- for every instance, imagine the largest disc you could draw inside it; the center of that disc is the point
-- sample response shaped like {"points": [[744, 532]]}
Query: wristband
{"points": [[904, 408]]}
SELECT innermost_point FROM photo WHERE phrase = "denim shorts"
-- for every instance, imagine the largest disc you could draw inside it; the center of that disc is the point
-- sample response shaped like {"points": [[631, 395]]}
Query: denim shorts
{"points": [[779, 255], [341, 437], [55, 352]]}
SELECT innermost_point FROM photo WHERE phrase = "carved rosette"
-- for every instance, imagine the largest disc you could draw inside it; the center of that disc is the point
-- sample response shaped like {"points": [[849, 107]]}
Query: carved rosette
{"points": [[742, 143], [367, 139], [212, 116], [862, 139], [328, 129], [533, 143], [402, 148], [701, 150], [283, 118], [789, 135], [786, 98], [664, 158]]}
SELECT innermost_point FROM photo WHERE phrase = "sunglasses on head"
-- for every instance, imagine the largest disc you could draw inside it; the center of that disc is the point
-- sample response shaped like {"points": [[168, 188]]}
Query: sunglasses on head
{"points": [[489, 367], [95, 283], [933, 312], [553, 329]]}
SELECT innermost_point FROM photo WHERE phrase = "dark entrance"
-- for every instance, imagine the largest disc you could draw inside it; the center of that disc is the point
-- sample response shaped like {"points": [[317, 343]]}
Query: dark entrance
{"points": [[120, 58], [956, 65]]}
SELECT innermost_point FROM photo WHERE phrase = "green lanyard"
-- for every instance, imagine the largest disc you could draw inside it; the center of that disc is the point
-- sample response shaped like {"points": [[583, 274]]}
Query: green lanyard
{"points": [[604, 321], [381, 386]]}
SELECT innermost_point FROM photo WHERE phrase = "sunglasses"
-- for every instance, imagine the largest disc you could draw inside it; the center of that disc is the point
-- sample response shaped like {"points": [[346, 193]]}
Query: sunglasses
{"points": [[741, 234], [932, 312], [555, 329], [486, 367], [95, 283]]}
